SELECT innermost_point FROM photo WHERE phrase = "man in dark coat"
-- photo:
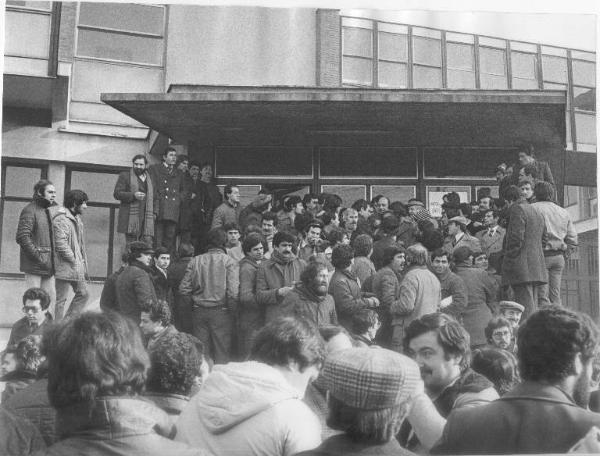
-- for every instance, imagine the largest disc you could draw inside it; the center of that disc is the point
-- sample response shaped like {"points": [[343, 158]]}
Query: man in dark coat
{"points": [[182, 305], [34, 235], [542, 169], [454, 292], [37, 318], [135, 190], [134, 285], [205, 199], [524, 268], [546, 413], [108, 297], [162, 259], [169, 191]]}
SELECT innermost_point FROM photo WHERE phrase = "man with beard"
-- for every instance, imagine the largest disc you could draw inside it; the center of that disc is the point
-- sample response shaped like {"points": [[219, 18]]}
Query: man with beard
{"points": [[310, 299], [454, 291], [277, 276], [546, 413], [135, 192], [499, 334], [351, 223]]}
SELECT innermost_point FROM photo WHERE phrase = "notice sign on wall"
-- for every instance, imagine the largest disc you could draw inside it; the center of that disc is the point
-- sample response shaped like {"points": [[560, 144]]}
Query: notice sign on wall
{"points": [[435, 198]]}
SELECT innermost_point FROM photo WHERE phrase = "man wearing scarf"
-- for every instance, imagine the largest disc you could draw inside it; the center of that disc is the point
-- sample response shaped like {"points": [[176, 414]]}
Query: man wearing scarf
{"points": [[135, 191], [277, 276]]}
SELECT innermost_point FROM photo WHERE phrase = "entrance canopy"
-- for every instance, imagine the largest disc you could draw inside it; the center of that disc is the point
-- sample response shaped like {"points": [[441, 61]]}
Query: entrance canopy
{"points": [[217, 115]]}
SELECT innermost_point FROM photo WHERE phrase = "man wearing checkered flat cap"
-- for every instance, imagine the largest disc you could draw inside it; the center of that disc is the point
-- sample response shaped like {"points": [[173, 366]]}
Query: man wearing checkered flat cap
{"points": [[370, 394]]}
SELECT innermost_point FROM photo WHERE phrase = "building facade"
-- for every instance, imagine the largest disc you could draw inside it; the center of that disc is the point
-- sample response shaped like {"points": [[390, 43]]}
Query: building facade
{"points": [[297, 99]]}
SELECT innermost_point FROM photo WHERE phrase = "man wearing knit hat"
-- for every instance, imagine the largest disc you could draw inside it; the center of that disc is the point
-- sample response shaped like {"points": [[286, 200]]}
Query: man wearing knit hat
{"points": [[370, 393]]}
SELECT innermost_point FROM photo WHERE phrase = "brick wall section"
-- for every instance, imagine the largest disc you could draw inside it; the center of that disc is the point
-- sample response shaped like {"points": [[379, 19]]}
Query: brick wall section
{"points": [[329, 42], [66, 41]]}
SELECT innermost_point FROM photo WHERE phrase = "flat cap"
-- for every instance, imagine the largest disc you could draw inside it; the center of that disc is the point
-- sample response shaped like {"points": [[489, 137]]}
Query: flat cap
{"points": [[415, 203], [460, 220], [370, 379], [511, 305]]}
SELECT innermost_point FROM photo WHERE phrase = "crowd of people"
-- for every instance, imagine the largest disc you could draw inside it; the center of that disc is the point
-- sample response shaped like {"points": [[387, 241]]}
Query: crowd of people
{"points": [[295, 325]]}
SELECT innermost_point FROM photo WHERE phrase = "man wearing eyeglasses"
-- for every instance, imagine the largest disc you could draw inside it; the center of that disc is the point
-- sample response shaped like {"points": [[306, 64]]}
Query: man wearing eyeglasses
{"points": [[35, 307]]}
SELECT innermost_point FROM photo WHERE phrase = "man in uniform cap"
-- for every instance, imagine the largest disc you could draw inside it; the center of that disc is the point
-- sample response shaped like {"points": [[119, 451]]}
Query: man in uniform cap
{"points": [[370, 393]]}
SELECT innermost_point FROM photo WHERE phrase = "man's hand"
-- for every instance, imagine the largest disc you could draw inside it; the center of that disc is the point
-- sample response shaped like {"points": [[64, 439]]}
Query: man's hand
{"points": [[284, 290], [141, 196]]}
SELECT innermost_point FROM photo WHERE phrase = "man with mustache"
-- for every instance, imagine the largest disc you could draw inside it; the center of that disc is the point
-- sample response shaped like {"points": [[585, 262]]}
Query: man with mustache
{"points": [[546, 413], [310, 299]]}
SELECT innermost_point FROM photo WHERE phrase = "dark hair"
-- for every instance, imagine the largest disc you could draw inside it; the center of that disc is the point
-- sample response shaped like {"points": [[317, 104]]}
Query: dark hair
{"points": [[167, 150], [308, 197], [270, 216], [283, 236], [332, 202], [74, 198], [252, 240], [286, 340], [376, 199], [93, 355], [360, 204], [399, 209], [37, 293], [495, 213], [390, 224], [451, 335], [390, 252], [498, 366], [231, 226], [28, 353], [527, 149], [158, 310], [530, 170], [290, 202], [362, 320], [465, 209], [336, 236], [216, 238], [138, 157], [341, 256], [40, 187], [493, 324], [181, 158], [366, 426], [174, 365], [453, 198], [543, 191], [550, 338], [484, 192], [162, 250], [512, 193], [362, 245], [314, 223], [228, 189], [185, 250], [205, 164], [327, 217], [195, 163], [302, 220], [416, 255], [440, 253], [311, 271]]}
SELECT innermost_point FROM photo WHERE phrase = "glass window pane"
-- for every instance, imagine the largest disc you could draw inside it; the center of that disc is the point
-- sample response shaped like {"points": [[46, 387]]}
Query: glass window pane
{"points": [[427, 78], [393, 75], [264, 161], [465, 162], [357, 71], [20, 181], [27, 35], [523, 65], [114, 46], [435, 197], [9, 255], [348, 193], [585, 125], [96, 222], [357, 41], [584, 73], [247, 193], [494, 190], [26, 4], [491, 81], [571, 195], [123, 16], [393, 47], [427, 51], [554, 69], [460, 56], [584, 99], [99, 187], [525, 84], [400, 193], [459, 79], [554, 86], [492, 61], [374, 161]]}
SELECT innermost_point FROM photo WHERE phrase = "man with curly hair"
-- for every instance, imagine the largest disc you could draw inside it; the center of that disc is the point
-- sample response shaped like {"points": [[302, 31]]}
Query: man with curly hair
{"points": [[155, 322], [547, 412]]}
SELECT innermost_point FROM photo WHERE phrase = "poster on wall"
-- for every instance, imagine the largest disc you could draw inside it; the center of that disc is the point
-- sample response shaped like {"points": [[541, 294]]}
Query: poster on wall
{"points": [[435, 198]]}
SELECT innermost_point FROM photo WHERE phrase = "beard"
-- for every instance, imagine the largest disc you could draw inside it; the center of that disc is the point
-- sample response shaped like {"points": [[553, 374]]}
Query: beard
{"points": [[581, 391], [138, 172], [320, 289]]}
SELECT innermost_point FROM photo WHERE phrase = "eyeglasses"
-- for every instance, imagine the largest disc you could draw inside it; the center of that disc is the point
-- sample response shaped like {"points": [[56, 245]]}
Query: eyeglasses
{"points": [[500, 333], [35, 310]]}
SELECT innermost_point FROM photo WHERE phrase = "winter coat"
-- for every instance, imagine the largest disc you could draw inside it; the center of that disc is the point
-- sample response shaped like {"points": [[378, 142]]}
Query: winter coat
{"points": [[344, 445], [304, 303], [224, 214], [123, 192], [16, 381], [491, 244], [18, 436], [450, 244], [348, 297], [134, 290], [212, 279], [34, 235], [271, 276], [453, 285], [70, 261], [117, 426], [169, 192], [22, 329], [171, 404], [482, 298], [248, 408], [251, 315], [161, 285], [386, 286], [363, 268], [108, 297], [523, 255], [379, 247], [33, 403]]}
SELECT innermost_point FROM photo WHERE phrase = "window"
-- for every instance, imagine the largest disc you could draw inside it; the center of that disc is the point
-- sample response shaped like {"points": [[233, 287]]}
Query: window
{"points": [[103, 244], [357, 52], [524, 70], [427, 59], [374, 162], [348, 193], [571, 195], [392, 56], [554, 69], [452, 162], [247, 193], [264, 161], [492, 64], [44, 6], [585, 125], [461, 66], [17, 192], [394, 192]]}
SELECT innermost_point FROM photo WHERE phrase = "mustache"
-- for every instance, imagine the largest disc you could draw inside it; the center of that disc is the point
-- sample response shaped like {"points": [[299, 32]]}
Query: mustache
{"points": [[425, 371]]}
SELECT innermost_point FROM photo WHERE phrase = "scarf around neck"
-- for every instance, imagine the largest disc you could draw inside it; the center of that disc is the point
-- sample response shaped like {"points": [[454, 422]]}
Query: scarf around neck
{"points": [[279, 258]]}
